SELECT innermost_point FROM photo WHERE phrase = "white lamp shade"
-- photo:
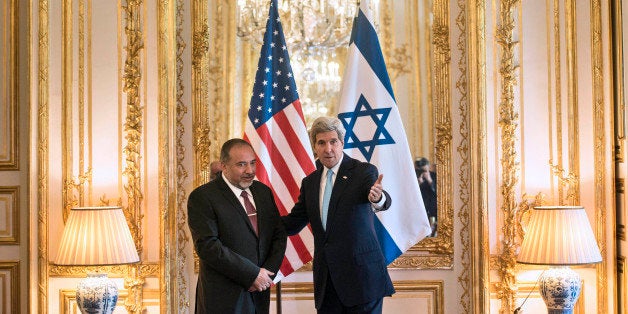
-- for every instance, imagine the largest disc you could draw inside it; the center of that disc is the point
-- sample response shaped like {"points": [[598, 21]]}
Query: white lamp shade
{"points": [[96, 236], [559, 235]]}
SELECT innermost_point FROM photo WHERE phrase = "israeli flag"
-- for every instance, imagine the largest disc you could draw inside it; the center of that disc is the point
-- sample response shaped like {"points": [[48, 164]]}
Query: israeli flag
{"points": [[375, 134]]}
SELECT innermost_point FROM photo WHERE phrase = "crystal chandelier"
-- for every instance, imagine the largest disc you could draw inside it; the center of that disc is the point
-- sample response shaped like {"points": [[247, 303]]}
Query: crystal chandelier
{"points": [[315, 30], [307, 24]]}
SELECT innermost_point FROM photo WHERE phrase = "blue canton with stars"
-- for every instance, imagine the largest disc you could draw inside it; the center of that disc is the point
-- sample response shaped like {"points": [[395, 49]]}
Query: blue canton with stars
{"points": [[380, 136], [274, 87]]}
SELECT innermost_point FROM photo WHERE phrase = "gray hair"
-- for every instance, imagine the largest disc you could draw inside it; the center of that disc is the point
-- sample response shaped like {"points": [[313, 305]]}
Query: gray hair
{"points": [[326, 124]]}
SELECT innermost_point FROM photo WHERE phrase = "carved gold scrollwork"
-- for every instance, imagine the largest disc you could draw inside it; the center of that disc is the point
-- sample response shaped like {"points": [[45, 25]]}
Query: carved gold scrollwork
{"points": [[567, 181], [132, 151], [400, 63], [73, 190], [508, 118], [182, 237]]}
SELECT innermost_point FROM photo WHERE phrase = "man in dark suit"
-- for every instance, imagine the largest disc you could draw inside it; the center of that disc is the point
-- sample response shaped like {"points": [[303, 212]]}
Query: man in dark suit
{"points": [[350, 274], [237, 234]]}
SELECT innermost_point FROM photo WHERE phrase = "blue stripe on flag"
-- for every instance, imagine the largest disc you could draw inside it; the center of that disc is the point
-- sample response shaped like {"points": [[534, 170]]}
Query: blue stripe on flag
{"points": [[389, 247], [364, 37]]}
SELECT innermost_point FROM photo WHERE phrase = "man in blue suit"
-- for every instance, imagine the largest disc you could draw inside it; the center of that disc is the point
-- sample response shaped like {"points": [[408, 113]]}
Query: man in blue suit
{"points": [[339, 201]]}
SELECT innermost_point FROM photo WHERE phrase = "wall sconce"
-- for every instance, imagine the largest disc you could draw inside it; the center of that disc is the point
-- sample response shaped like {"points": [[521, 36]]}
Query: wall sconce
{"points": [[96, 236], [559, 236]]}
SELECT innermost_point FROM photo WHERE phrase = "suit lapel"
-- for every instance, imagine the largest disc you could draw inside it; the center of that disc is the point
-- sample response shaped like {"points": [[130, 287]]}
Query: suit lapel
{"points": [[314, 192], [235, 202], [340, 184]]}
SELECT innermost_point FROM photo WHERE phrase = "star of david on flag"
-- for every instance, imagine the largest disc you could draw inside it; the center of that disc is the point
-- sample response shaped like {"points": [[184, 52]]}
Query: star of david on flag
{"points": [[375, 134], [276, 129]]}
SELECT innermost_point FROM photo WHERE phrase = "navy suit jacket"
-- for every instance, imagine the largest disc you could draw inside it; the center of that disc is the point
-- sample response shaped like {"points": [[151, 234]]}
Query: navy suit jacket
{"points": [[229, 251], [348, 252]]}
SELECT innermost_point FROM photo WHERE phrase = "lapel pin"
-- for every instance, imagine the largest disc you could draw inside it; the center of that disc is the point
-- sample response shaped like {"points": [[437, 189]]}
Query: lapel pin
{"points": [[344, 177]]}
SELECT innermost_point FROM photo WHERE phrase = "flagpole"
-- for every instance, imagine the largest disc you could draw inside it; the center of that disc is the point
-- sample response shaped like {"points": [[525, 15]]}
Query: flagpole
{"points": [[278, 292]]}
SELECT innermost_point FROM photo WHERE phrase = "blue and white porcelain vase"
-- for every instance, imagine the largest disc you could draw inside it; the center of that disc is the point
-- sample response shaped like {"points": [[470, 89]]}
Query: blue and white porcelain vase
{"points": [[560, 288], [96, 294]]}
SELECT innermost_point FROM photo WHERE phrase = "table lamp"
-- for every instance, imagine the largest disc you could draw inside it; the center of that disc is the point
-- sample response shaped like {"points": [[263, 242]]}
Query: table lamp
{"points": [[96, 236], [559, 236]]}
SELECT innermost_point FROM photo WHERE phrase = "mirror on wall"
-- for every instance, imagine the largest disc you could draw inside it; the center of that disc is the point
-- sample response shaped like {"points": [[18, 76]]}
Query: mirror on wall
{"points": [[416, 53]]}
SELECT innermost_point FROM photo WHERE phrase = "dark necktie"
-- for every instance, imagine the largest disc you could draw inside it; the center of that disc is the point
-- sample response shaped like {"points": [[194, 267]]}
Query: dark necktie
{"points": [[250, 210]]}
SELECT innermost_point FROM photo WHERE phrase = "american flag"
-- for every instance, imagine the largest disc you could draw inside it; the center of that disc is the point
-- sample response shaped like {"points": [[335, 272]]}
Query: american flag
{"points": [[276, 129]]}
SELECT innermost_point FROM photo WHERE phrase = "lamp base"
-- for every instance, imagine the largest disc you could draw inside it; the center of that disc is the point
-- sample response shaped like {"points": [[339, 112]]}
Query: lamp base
{"points": [[560, 288], [96, 294]]}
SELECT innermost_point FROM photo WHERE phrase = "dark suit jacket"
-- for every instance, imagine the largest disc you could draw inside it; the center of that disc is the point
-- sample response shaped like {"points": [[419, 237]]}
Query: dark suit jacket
{"points": [[348, 251], [229, 251]]}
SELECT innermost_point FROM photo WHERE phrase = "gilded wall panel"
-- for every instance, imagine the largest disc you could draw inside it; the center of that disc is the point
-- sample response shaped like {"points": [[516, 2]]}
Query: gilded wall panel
{"points": [[10, 214], [9, 54], [421, 296], [9, 287]]}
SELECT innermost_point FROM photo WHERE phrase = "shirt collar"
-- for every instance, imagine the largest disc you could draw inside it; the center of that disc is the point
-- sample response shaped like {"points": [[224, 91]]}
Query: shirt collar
{"points": [[236, 190]]}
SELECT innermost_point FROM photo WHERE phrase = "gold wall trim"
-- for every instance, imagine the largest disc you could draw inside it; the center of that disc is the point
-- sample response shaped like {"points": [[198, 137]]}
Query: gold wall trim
{"points": [[573, 193], [10, 269], [601, 158], [558, 168], [10, 196], [618, 101], [474, 277], [443, 131], [435, 287], [43, 117], [167, 127], [117, 271], [220, 80], [200, 97], [423, 262], [508, 124], [9, 144], [181, 300], [132, 150], [67, 67]]}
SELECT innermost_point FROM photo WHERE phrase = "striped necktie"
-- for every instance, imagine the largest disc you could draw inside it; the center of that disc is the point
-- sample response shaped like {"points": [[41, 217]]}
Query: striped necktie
{"points": [[250, 210]]}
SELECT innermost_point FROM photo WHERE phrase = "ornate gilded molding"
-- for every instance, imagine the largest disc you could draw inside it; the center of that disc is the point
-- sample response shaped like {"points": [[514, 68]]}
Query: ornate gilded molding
{"points": [[600, 154], [10, 275], [132, 150], [567, 181], [43, 143], [220, 65], [200, 96], [432, 261], [74, 190], [10, 56], [443, 242], [618, 101], [169, 95], [464, 172], [572, 94], [117, 271], [182, 239], [508, 122], [67, 81]]}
